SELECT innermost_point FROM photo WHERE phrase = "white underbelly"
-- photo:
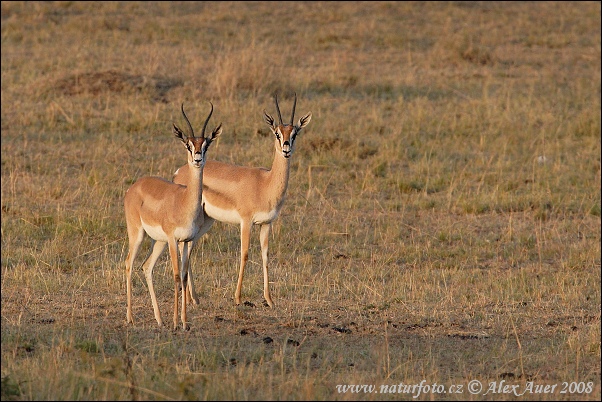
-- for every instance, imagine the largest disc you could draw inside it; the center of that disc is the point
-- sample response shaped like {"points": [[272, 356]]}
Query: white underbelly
{"points": [[222, 215], [265, 217], [180, 234], [155, 232], [232, 215], [187, 233]]}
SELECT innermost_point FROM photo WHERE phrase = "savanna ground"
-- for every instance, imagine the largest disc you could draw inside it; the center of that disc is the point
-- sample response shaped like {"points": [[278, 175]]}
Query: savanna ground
{"points": [[442, 221]]}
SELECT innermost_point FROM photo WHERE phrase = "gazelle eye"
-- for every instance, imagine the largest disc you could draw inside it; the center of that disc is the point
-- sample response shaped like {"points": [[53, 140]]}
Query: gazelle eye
{"points": [[278, 135]]}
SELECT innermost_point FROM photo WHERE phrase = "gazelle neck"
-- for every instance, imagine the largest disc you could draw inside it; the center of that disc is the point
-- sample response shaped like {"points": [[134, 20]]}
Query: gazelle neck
{"points": [[194, 188], [279, 173]]}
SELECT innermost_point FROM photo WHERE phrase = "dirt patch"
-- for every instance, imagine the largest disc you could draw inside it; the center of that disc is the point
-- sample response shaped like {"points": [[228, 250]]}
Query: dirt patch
{"points": [[94, 83]]}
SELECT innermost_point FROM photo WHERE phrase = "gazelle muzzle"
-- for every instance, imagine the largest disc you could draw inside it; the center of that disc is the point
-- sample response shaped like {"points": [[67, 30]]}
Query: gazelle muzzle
{"points": [[286, 149], [197, 159]]}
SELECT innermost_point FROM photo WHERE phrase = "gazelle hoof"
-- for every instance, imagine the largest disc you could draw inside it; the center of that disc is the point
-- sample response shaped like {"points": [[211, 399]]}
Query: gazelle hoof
{"points": [[192, 299]]}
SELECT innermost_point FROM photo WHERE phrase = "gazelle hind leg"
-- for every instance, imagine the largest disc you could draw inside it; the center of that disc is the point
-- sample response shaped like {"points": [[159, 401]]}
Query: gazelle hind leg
{"points": [[149, 264], [135, 240], [245, 234], [264, 236]]}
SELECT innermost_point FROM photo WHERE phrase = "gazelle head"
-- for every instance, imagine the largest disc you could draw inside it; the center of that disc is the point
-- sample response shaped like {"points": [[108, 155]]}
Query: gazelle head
{"points": [[197, 146], [286, 134]]}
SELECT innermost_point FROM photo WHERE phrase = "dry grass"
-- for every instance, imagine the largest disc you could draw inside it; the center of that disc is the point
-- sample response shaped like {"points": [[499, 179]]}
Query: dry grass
{"points": [[442, 221]]}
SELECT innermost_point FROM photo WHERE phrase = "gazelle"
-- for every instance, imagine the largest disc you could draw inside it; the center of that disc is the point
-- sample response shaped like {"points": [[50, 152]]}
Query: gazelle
{"points": [[248, 195], [168, 213]]}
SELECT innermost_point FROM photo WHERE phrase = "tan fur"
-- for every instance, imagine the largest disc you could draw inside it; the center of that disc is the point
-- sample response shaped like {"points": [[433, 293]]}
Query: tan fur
{"points": [[246, 196], [168, 213]]}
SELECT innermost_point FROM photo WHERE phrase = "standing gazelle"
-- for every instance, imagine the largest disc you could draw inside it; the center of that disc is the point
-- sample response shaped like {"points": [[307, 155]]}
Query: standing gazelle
{"points": [[248, 195], [168, 213]]}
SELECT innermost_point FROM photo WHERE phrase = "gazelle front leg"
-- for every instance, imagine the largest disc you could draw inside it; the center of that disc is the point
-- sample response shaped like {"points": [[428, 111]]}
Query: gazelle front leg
{"points": [[264, 236], [187, 248], [173, 254], [190, 294], [245, 237]]}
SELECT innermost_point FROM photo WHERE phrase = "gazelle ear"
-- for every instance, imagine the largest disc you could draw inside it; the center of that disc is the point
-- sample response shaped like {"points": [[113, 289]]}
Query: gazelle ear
{"points": [[269, 119], [179, 134], [216, 132], [304, 121]]}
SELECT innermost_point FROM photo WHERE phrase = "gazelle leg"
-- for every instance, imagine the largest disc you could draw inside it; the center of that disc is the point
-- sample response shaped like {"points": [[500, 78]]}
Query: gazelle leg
{"points": [[190, 292], [245, 235], [173, 253], [135, 239], [149, 264], [186, 249], [264, 235]]}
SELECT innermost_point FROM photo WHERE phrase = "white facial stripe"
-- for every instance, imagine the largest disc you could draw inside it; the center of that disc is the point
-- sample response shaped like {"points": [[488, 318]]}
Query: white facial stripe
{"points": [[204, 148]]}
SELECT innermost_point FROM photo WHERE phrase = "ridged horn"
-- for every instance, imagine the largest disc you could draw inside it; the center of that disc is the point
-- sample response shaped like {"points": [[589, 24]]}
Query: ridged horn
{"points": [[207, 121], [188, 121], [278, 108], [294, 105]]}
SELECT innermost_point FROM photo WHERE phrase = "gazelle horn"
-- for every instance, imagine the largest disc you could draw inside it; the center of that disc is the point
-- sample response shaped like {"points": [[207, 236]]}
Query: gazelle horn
{"points": [[207, 121], [277, 108], [188, 121], [293, 114]]}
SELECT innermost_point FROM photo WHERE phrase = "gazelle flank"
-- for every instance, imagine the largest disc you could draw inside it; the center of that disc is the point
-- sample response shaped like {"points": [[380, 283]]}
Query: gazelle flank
{"points": [[170, 214], [249, 196]]}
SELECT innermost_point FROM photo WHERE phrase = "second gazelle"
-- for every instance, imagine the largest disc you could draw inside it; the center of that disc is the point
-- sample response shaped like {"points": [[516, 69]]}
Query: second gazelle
{"points": [[170, 214], [248, 195]]}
